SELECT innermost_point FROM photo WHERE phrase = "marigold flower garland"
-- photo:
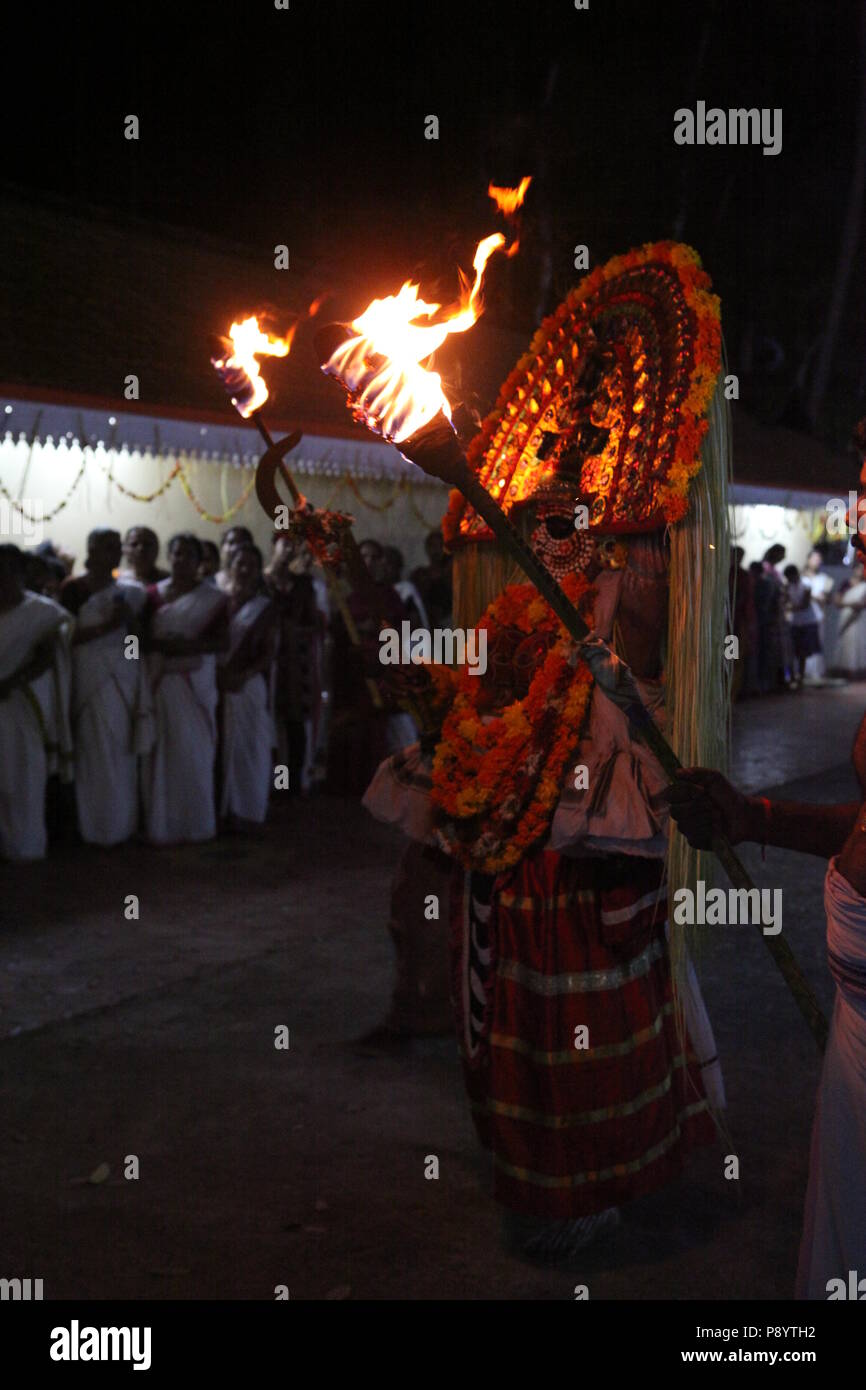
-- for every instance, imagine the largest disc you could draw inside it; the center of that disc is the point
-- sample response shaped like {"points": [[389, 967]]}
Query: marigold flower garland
{"points": [[497, 777]]}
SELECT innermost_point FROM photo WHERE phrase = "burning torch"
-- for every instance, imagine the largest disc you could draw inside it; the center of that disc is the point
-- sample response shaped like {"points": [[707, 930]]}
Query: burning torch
{"points": [[241, 376]]}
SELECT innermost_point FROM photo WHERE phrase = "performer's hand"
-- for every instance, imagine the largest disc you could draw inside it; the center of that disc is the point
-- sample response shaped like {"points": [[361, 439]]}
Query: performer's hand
{"points": [[705, 806]]}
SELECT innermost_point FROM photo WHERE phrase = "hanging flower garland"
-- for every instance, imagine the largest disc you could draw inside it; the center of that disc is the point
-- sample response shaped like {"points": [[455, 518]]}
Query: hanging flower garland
{"points": [[177, 472], [497, 774], [210, 516], [138, 496], [375, 506], [416, 512], [46, 516]]}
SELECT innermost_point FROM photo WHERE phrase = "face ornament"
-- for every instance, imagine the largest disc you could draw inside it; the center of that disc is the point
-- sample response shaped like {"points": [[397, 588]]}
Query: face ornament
{"points": [[563, 547]]}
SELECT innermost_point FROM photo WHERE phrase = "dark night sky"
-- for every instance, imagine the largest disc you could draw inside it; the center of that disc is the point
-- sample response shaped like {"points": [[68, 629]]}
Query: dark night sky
{"points": [[307, 127]]}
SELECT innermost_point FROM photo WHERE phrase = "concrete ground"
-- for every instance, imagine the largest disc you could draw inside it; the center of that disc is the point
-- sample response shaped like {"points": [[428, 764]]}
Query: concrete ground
{"points": [[305, 1167]]}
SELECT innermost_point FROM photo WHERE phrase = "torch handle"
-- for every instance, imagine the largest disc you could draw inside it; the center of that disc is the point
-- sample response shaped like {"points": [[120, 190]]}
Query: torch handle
{"points": [[456, 470]]}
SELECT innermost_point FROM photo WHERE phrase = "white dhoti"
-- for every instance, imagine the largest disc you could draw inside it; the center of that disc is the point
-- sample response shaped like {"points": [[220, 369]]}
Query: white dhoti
{"points": [[113, 721], [178, 775], [23, 772], [248, 731], [834, 1228], [247, 761], [34, 730]]}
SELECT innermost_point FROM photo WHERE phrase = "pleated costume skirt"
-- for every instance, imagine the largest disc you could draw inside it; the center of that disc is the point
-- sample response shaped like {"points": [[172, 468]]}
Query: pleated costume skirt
{"points": [[579, 1085]]}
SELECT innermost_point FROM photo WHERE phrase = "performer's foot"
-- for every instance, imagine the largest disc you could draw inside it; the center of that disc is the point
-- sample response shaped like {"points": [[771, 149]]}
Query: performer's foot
{"points": [[555, 1241]]}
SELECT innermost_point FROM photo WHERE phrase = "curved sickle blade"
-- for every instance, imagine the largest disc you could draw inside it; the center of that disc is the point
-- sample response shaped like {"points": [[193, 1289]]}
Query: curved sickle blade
{"points": [[270, 461]]}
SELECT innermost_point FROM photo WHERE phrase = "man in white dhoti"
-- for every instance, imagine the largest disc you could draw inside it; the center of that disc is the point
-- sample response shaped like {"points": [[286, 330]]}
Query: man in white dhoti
{"points": [[112, 715], [248, 733], [34, 694], [186, 628]]}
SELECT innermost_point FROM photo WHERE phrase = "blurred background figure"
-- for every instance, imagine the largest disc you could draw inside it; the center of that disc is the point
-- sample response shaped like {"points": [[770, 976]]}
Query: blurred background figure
{"points": [[35, 571], [246, 706], [232, 538], [360, 735], [55, 554], [803, 625], [745, 626], [299, 660], [210, 561], [406, 590], [34, 699], [186, 627], [770, 609], [139, 556], [433, 582], [112, 717], [850, 648], [820, 586]]}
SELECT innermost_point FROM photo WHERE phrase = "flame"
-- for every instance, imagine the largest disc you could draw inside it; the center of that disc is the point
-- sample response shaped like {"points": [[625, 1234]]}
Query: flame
{"points": [[240, 369], [381, 367], [508, 200]]}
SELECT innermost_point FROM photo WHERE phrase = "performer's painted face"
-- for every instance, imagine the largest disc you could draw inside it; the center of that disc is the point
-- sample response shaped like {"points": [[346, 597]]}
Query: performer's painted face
{"points": [[563, 547], [566, 547]]}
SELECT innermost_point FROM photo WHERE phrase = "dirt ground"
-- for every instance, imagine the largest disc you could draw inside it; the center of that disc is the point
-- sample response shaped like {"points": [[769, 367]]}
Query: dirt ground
{"points": [[305, 1166]]}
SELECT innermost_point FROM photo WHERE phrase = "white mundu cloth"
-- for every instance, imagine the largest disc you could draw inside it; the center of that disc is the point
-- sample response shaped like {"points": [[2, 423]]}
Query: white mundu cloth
{"points": [[834, 1228], [112, 718], [248, 734], [34, 723], [177, 776]]}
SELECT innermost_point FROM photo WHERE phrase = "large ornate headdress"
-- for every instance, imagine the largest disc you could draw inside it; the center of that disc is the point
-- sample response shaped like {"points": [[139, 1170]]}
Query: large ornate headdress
{"points": [[609, 405]]}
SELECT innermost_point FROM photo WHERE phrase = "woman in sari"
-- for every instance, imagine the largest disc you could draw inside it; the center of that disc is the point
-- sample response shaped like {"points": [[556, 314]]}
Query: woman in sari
{"points": [[111, 711], [187, 627], [34, 697], [245, 684]]}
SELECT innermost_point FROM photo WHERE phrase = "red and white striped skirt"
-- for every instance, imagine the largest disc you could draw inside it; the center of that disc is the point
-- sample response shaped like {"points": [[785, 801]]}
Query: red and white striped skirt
{"points": [[579, 1085]]}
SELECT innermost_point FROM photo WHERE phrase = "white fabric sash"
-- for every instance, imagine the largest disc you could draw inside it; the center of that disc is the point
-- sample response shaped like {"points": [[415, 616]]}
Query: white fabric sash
{"points": [[23, 627], [186, 616], [101, 660]]}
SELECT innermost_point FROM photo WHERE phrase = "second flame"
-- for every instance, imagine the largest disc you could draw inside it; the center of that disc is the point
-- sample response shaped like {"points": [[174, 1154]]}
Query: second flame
{"points": [[393, 394]]}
